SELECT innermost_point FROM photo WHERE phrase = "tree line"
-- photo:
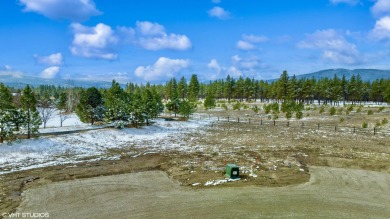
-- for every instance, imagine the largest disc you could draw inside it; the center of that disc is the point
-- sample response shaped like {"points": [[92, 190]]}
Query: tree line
{"points": [[22, 111]]}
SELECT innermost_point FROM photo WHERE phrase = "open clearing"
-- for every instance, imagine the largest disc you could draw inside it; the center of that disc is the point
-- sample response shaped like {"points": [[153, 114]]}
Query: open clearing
{"points": [[302, 170], [330, 193]]}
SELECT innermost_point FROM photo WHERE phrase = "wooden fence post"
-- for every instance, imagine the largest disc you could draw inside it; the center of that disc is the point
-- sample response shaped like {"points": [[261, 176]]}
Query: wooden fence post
{"points": [[318, 128], [374, 130], [274, 122], [228, 118], [261, 122], [238, 120], [288, 123]]}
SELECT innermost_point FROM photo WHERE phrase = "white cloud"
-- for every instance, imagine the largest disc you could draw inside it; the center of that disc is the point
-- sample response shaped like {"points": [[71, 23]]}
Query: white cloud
{"points": [[94, 42], [219, 12], [53, 59], [152, 36], [381, 7], [74, 10], [50, 72], [216, 1], [243, 45], [382, 29], [214, 65], [234, 72], [7, 70], [349, 2], [171, 41], [249, 40], [334, 46], [149, 28], [163, 69], [254, 39]]}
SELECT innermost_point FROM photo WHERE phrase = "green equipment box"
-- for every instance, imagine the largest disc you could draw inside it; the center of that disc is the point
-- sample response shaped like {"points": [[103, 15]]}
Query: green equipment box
{"points": [[232, 171]]}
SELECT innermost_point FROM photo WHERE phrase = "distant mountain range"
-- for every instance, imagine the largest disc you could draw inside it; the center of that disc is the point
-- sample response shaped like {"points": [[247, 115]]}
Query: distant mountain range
{"points": [[21, 82], [365, 74]]}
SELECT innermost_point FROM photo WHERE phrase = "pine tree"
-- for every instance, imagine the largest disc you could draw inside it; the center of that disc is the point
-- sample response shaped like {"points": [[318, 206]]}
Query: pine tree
{"points": [[182, 88], [187, 108], [7, 127], [90, 109], [209, 101], [193, 89], [31, 116], [116, 103]]}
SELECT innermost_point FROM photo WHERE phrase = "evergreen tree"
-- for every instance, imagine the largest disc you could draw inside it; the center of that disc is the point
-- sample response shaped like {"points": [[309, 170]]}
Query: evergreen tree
{"points": [[91, 108], [7, 127], [284, 87], [209, 101], [193, 89], [187, 108], [116, 103], [31, 116], [182, 88]]}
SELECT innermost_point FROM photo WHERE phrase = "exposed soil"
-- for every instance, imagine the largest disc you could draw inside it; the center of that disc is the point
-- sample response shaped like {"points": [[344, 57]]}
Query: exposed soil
{"points": [[331, 193]]}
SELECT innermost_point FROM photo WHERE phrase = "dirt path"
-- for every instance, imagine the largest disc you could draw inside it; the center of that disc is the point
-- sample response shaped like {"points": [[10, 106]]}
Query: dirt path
{"points": [[331, 193]]}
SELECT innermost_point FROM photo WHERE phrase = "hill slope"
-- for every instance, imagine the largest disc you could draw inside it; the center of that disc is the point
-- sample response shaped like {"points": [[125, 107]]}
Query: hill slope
{"points": [[365, 74]]}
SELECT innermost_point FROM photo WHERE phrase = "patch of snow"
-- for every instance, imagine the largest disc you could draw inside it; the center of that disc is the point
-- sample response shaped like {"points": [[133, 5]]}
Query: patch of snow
{"points": [[94, 145]]}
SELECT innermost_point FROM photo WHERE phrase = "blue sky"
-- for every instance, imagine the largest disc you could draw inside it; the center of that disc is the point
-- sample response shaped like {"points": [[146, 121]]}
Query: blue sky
{"points": [[154, 40]]}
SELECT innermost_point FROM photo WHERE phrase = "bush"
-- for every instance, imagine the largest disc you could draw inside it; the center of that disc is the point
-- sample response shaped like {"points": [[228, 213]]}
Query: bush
{"points": [[370, 112], [299, 115], [385, 121], [275, 117], [237, 106], [332, 111], [350, 108], [224, 106], [359, 109], [255, 109], [381, 109], [269, 117], [342, 119], [377, 124], [322, 109], [340, 111], [275, 107], [364, 125], [267, 108], [288, 115], [245, 106]]}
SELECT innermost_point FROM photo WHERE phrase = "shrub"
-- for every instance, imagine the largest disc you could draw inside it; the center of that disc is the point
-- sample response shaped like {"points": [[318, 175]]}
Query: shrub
{"points": [[275, 107], [377, 124], [299, 115], [269, 117], [224, 106], [245, 106], [350, 108], [288, 115], [275, 117], [322, 109], [237, 106], [255, 109], [364, 125], [385, 121], [370, 112], [381, 109], [267, 108], [359, 109], [342, 119], [340, 111], [332, 111]]}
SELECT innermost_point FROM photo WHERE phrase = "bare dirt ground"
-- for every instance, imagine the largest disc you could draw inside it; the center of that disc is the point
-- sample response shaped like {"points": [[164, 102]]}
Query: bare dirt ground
{"points": [[348, 175], [330, 193]]}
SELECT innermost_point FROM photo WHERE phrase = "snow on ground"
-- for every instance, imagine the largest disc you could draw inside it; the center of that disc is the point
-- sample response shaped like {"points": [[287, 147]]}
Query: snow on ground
{"points": [[92, 145]]}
